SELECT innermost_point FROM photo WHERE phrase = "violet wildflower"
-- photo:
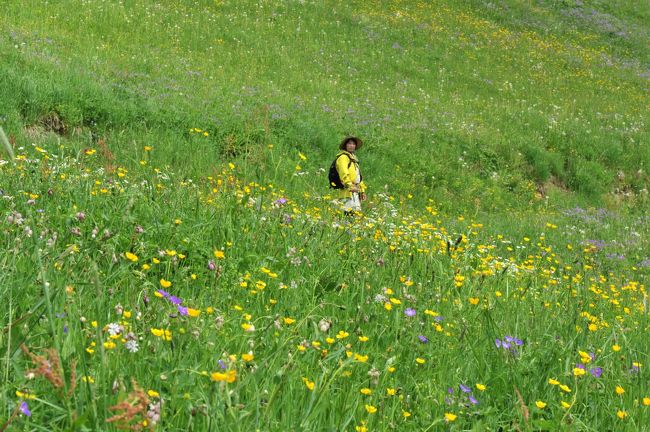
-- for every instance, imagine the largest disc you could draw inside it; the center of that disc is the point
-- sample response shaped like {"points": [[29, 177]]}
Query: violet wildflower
{"points": [[163, 293], [464, 388], [410, 312], [473, 400], [211, 265], [423, 339], [24, 409], [175, 300], [596, 372], [182, 310]]}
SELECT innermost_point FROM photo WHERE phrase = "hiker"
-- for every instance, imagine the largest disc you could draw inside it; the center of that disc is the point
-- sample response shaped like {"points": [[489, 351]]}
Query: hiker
{"points": [[345, 175]]}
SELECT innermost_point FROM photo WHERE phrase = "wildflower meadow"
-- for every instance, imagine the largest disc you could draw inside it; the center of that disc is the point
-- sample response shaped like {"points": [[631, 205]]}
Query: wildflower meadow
{"points": [[171, 258]]}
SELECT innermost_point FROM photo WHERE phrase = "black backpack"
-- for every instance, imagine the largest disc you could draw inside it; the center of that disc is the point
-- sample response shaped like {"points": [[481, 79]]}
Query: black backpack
{"points": [[333, 176]]}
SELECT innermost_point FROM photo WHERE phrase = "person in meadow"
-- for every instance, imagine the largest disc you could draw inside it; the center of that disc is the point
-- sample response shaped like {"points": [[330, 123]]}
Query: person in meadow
{"points": [[350, 185]]}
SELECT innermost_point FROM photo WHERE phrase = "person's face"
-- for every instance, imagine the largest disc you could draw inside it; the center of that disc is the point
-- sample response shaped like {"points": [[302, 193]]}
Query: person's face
{"points": [[351, 146]]}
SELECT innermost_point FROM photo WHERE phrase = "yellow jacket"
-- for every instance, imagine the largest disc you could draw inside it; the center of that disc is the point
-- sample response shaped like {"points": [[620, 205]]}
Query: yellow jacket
{"points": [[347, 166]]}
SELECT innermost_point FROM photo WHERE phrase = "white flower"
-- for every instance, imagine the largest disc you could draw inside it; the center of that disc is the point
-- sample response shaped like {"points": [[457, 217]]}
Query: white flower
{"points": [[114, 329], [131, 345]]}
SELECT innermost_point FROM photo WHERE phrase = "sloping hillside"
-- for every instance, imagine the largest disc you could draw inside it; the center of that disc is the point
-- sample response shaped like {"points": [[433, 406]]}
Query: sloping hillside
{"points": [[499, 104]]}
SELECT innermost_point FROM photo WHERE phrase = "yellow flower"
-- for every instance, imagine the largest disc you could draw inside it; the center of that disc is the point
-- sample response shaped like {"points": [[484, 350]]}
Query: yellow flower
{"points": [[616, 348], [330, 340], [395, 301], [363, 338], [289, 321], [390, 392], [366, 391], [25, 396], [109, 345], [360, 358], [228, 376], [406, 414], [552, 381], [131, 257], [541, 405], [646, 401], [388, 306], [481, 387], [193, 312], [474, 300], [420, 360], [342, 334], [165, 283], [88, 379], [449, 417], [153, 394], [565, 405], [578, 371], [371, 409], [619, 390], [126, 314], [565, 388], [361, 428], [621, 414], [585, 357], [309, 384], [247, 357], [219, 254]]}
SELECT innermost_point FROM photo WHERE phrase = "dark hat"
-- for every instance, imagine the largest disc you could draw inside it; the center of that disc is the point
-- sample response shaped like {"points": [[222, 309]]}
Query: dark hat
{"points": [[357, 141]]}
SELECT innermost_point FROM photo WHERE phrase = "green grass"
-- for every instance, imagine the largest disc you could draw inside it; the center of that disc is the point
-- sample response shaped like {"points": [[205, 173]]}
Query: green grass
{"points": [[181, 146], [69, 222], [440, 81]]}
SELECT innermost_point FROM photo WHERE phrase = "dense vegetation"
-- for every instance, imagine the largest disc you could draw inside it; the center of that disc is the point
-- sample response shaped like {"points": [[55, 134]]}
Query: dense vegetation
{"points": [[172, 261]]}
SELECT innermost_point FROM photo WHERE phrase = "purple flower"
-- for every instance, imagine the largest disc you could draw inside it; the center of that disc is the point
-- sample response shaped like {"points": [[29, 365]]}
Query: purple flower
{"points": [[410, 312], [596, 372], [211, 265], [175, 300], [222, 365], [24, 409], [163, 293], [450, 390], [423, 339], [438, 318], [65, 329], [280, 201], [464, 388], [498, 343], [473, 400], [182, 310]]}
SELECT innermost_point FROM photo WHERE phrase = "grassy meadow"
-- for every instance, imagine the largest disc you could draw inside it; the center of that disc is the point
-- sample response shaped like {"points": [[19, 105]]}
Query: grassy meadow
{"points": [[171, 259]]}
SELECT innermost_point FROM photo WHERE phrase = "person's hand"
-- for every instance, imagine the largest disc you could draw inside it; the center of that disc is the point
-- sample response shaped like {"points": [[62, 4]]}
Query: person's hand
{"points": [[363, 196]]}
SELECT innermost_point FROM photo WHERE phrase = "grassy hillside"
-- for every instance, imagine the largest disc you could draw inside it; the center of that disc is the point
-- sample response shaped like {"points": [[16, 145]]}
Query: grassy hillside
{"points": [[494, 104], [171, 259]]}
